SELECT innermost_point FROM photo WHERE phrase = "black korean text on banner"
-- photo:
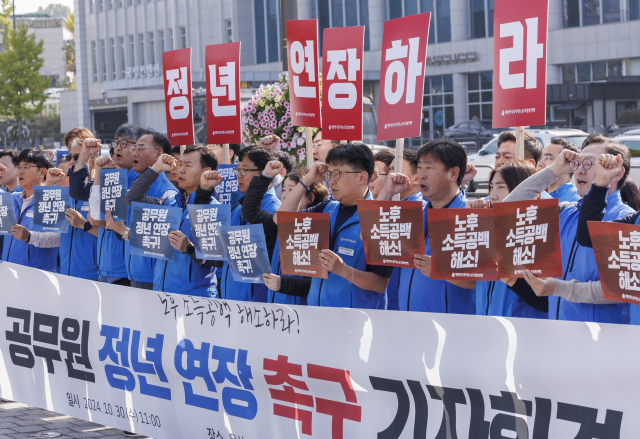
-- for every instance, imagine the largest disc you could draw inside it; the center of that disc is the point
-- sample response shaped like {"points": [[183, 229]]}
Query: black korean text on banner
{"points": [[176, 66], [301, 237], [7, 213], [246, 251], [404, 52], [49, 205], [206, 220], [223, 93], [342, 100], [462, 244], [150, 228], [304, 83], [113, 189], [528, 237]]}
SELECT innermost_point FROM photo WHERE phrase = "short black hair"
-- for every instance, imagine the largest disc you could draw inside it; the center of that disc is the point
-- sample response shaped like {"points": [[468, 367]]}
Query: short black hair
{"points": [[207, 158], [286, 160], [11, 153], [385, 156], [411, 156], [356, 154], [595, 138], [159, 140], [532, 148], [175, 150], [447, 152], [564, 143], [129, 131], [630, 194], [259, 155], [112, 151], [35, 157], [235, 147]]}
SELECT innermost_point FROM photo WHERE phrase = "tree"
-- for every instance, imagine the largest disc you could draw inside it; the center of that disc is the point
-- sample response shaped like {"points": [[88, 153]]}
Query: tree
{"points": [[6, 21], [21, 86], [70, 46], [70, 23], [56, 10]]}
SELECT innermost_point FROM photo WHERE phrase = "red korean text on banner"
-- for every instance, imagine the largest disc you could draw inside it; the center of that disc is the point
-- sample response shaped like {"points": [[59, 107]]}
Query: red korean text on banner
{"points": [[304, 82], [176, 69], [617, 250], [404, 52], [223, 93], [342, 82], [301, 237], [528, 237], [392, 232], [520, 63], [462, 244]]}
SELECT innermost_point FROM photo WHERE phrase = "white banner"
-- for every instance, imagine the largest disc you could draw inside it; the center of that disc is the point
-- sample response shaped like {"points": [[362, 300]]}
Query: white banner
{"points": [[171, 366]]}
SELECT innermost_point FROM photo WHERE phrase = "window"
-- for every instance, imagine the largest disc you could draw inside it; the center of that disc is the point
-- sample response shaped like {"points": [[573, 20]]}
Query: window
{"points": [[481, 19], [161, 35], [94, 61], [132, 51], [101, 5], [103, 59], [589, 12], [584, 72], [92, 6], [112, 47], [267, 28], [119, 3], [110, 4], [336, 13], [170, 39], [183, 37], [440, 31], [558, 115], [480, 89], [229, 31], [621, 107], [141, 42], [152, 49], [122, 56], [589, 72], [569, 74], [437, 105]]}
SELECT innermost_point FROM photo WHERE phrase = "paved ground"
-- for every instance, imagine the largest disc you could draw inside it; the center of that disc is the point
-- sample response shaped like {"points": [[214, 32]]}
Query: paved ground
{"points": [[19, 421]]}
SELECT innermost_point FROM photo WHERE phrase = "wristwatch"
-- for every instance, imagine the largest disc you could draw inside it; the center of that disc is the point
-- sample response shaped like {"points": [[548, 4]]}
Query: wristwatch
{"points": [[190, 249], [127, 234], [87, 226]]}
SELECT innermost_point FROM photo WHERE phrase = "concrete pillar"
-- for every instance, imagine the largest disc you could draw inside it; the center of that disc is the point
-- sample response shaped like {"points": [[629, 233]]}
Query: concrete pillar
{"points": [[82, 64]]}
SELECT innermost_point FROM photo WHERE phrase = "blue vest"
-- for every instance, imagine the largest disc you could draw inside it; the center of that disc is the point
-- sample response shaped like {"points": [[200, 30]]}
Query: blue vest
{"points": [[274, 296], [18, 190], [141, 268], [579, 263], [23, 253], [78, 249], [566, 193], [336, 291], [229, 288], [418, 292], [493, 298], [182, 275]]}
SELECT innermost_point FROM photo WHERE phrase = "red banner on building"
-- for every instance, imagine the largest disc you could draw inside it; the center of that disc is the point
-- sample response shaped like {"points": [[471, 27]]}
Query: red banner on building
{"points": [[520, 63], [223, 93], [304, 81], [528, 237], [392, 231], [301, 236], [176, 71], [342, 83], [404, 52], [463, 244], [617, 250]]}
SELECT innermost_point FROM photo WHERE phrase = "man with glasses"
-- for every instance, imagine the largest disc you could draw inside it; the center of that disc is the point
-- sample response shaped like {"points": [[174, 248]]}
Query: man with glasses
{"points": [[24, 247], [562, 189], [351, 283], [251, 162]]}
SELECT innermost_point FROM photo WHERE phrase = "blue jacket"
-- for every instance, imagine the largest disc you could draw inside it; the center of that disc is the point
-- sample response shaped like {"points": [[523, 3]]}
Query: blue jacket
{"points": [[494, 298], [336, 291], [418, 292], [23, 253], [274, 296], [78, 249], [566, 193], [182, 275], [229, 288], [579, 263], [141, 268], [18, 190]]}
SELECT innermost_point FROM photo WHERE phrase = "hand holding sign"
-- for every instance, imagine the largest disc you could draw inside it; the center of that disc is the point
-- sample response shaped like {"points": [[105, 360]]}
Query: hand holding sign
{"points": [[542, 286], [562, 165], [117, 226], [19, 232], [179, 241], [165, 163], [478, 204], [103, 162], [272, 281], [608, 167], [210, 179], [74, 217], [335, 264], [273, 168], [54, 176], [423, 263]]}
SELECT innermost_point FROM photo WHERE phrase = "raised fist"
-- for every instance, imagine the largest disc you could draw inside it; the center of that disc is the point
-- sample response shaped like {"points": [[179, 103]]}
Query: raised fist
{"points": [[273, 168], [270, 141], [316, 173], [165, 163], [54, 176], [210, 179], [91, 146], [396, 184], [608, 166], [103, 162], [469, 173], [478, 204], [562, 164]]}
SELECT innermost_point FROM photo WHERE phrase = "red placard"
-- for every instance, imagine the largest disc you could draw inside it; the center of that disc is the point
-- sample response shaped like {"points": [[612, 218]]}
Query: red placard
{"points": [[342, 83], [520, 63], [223, 93], [404, 52], [528, 237], [304, 83], [176, 71], [463, 244], [617, 250], [301, 236], [392, 232]]}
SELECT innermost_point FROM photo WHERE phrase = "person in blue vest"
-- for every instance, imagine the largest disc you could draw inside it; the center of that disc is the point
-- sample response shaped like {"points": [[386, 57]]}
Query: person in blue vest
{"points": [[24, 247], [252, 160], [351, 282], [197, 177], [8, 176], [562, 189], [578, 262], [441, 167]]}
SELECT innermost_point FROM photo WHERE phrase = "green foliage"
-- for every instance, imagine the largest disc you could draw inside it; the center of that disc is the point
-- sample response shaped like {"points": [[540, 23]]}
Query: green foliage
{"points": [[6, 21], [70, 55], [69, 24], [56, 10]]}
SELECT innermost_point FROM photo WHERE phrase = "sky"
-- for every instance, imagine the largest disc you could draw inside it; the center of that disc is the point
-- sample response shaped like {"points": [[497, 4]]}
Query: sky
{"points": [[26, 6]]}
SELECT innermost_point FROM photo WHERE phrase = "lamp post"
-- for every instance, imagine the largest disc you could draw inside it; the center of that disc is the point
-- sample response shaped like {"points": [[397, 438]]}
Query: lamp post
{"points": [[288, 11]]}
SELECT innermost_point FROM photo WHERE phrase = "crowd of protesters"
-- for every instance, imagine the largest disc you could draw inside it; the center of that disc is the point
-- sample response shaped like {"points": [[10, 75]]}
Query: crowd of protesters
{"points": [[590, 182]]}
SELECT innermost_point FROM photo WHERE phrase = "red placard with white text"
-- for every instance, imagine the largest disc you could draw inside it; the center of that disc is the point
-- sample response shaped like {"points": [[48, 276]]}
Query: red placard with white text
{"points": [[520, 63], [304, 83], [342, 83], [176, 71], [223, 93], [404, 52]]}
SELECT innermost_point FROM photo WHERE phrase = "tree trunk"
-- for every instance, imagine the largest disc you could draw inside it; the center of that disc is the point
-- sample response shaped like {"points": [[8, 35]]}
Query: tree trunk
{"points": [[19, 133]]}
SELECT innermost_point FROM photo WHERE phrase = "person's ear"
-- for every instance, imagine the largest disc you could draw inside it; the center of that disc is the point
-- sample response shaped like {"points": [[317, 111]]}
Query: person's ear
{"points": [[453, 173]]}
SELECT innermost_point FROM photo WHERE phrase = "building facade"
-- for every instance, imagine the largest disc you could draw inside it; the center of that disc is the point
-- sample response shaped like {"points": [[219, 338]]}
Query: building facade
{"points": [[593, 55]]}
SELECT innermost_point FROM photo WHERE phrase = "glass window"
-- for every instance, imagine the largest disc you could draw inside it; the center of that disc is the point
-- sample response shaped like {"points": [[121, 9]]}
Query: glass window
{"points": [[480, 103], [428, 6], [351, 8], [569, 74], [634, 9], [571, 13], [474, 112], [364, 21], [110, 4], [615, 68], [261, 53], [92, 6], [440, 15], [103, 59], [152, 49], [474, 97], [273, 13], [487, 111], [634, 147], [229, 27], [584, 72], [94, 61], [161, 35], [141, 42], [448, 116], [132, 51], [183, 37], [170, 39], [122, 56], [558, 115], [611, 11], [477, 19], [410, 7], [112, 48], [336, 13], [444, 21], [590, 12], [473, 82], [486, 81], [447, 82], [490, 3], [101, 5], [436, 84], [395, 9], [599, 71]]}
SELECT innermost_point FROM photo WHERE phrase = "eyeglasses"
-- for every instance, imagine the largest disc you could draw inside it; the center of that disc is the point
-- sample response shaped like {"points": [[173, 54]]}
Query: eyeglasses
{"points": [[575, 164], [382, 175], [122, 143], [73, 157], [243, 172], [335, 175], [548, 158], [317, 144], [24, 167], [141, 148]]}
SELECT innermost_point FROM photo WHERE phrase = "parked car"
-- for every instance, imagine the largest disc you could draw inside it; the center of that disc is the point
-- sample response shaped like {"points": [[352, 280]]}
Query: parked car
{"points": [[633, 143], [572, 135], [472, 134]]}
